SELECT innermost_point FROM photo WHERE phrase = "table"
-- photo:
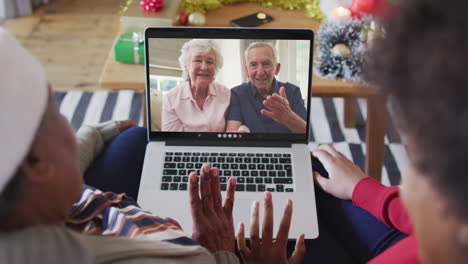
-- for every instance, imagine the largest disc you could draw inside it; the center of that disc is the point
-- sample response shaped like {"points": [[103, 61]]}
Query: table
{"points": [[127, 76]]}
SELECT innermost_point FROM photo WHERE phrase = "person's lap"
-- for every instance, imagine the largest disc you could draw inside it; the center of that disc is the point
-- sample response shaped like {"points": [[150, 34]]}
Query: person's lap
{"points": [[348, 234], [361, 235], [118, 168]]}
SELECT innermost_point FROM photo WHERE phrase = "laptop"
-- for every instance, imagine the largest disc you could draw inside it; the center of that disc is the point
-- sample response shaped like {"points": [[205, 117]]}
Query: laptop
{"points": [[270, 160]]}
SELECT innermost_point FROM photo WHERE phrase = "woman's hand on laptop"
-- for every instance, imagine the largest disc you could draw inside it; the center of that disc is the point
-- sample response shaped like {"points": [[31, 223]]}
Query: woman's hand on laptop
{"points": [[267, 249], [213, 225], [343, 174]]}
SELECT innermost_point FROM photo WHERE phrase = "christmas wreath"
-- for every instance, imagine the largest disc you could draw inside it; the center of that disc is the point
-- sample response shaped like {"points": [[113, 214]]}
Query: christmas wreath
{"points": [[341, 51]]}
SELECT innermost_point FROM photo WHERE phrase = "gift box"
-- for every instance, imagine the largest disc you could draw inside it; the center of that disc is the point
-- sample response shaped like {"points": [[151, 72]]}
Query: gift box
{"points": [[134, 19], [129, 48]]}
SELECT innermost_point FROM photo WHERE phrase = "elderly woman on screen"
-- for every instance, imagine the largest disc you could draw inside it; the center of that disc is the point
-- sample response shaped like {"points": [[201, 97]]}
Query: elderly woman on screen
{"points": [[199, 103]]}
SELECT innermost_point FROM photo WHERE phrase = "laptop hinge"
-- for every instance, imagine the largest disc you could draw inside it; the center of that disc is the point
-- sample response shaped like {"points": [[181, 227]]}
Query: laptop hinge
{"points": [[221, 143]]}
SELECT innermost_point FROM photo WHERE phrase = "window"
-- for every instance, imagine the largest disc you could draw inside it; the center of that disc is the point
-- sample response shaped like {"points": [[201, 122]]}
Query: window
{"points": [[164, 83], [302, 76]]}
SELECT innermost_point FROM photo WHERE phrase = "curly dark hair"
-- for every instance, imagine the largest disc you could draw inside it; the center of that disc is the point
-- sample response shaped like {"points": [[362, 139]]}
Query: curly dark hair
{"points": [[423, 64]]}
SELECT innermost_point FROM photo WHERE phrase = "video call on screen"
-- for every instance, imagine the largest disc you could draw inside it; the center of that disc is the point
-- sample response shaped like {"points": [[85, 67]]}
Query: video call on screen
{"points": [[211, 86]]}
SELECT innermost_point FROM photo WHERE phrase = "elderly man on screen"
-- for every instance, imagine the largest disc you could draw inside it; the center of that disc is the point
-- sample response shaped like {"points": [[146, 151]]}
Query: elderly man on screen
{"points": [[265, 105]]}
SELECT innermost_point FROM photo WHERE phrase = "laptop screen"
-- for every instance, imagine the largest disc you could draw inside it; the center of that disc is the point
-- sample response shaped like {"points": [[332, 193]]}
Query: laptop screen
{"points": [[228, 84]]}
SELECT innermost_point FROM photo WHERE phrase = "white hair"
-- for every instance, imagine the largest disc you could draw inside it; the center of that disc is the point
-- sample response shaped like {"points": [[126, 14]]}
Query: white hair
{"points": [[261, 44], [198, 47]]}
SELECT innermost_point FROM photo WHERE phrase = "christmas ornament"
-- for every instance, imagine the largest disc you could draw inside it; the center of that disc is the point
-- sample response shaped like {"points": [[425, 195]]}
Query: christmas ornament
{"points": [[341, 53], [196, 19], [370, 7], [360, 7], [182, 18], [151, 6], [340, 50]]}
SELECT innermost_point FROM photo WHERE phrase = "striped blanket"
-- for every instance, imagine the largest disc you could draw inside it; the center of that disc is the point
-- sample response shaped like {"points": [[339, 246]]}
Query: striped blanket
{"points": [[326, 124], [110, 214]]}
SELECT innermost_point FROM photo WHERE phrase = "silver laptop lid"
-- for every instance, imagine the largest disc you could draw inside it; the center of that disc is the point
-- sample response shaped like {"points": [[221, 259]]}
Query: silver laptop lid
{"points": [[202, 81]]}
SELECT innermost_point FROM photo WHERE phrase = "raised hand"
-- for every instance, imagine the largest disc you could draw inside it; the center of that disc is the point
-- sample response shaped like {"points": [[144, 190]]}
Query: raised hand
{"points": [[281, 112], [266, 249], [213, 225]]}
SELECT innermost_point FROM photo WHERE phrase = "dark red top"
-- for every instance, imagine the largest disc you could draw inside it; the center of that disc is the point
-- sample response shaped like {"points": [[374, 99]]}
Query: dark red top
{"points": [[385, 204]]}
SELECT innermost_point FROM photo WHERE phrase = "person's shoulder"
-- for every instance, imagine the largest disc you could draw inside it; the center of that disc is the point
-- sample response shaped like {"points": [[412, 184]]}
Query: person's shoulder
{"points": [[289, 86], [239, 89], [174, 94], [291, 89], [176, 90], [47, 241], [221, 88]]}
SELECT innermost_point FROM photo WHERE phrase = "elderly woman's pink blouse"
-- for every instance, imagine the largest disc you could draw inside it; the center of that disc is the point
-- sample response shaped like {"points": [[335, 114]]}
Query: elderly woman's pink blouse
{"points": [[181, 113]]}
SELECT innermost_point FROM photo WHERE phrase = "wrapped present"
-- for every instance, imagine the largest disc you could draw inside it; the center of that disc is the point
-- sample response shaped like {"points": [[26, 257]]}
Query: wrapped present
{"points": [[134, 19], [129, 48]]}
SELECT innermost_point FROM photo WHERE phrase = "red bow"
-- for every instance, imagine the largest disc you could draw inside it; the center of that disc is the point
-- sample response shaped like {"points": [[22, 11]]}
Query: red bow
{"points": [[151, 5]]}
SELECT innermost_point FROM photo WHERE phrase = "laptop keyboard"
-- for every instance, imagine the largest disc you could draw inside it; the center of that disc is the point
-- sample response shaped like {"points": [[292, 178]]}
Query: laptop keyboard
{"points": [[255, 172]]}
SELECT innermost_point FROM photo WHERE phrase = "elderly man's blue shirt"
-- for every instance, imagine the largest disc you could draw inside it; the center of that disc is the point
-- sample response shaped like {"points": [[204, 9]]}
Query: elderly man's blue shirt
{"points": [[246, 104]]}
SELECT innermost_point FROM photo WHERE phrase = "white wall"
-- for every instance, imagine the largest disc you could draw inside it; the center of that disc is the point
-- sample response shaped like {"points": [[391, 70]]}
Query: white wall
{"points": [[230, 75], [287, 58]]}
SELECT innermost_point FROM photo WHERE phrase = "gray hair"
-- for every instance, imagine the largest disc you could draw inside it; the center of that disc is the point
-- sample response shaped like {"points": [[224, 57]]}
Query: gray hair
{"points": [[198, 46], [261, 44]]}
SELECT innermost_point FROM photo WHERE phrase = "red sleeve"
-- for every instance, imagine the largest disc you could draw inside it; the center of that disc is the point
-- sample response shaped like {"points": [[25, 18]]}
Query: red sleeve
{"points": [[383, 202]]}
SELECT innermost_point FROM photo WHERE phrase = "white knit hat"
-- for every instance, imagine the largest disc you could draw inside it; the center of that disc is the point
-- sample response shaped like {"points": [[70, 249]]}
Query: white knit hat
{"points": [[23, 100]]}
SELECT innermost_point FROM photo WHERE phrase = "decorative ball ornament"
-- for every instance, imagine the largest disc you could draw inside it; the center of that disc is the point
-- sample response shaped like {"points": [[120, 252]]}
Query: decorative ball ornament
{"points": [[181, 18], [196, 19], [151, 6], [371, 7], [341, 50], [359, 7]]}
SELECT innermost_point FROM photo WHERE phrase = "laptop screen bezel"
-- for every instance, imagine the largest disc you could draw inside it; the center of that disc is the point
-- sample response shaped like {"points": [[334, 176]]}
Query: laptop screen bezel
{"points": [[228, 33]]}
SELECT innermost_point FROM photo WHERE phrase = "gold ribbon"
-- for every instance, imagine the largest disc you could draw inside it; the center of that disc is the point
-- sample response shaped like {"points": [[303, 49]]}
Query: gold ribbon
{"points": [[137, 38]]}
